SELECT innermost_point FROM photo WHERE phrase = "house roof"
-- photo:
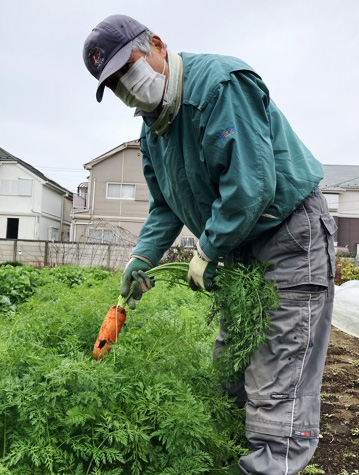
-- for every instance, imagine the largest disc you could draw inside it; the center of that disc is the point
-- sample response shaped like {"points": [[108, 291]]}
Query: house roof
{"points": [[95, 161], [8, 157], [340, 177]]}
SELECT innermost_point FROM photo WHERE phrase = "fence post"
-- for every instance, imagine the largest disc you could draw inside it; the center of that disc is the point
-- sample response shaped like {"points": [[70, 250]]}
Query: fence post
{"points": [[109, 256], [46, 254], [15, 251], [77, 253]]}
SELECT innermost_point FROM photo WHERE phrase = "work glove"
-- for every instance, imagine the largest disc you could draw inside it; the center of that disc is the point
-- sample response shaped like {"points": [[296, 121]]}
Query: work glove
{"points": [[201, 271], [134, 274]]}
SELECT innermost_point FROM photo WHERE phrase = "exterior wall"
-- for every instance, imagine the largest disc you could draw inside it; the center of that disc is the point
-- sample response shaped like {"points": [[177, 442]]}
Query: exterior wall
{"points": [[67, 207], [344, 207], [51, 203], [349, 204], [66, 223], [3, 223], [49, 229], [348, 233], [20, 204], [82, 228], [50, 222], [10, 204], [38, 212], [348, 220], [27, 226], [123, 167], [134, 227], [16, 206]]}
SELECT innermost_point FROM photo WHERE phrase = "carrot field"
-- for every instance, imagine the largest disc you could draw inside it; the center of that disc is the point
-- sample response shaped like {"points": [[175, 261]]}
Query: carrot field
{"points": [[151, 407]]}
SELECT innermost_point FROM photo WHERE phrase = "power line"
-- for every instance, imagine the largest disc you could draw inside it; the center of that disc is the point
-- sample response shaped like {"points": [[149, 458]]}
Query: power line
{"points": [[340, 183], [61, 168]]}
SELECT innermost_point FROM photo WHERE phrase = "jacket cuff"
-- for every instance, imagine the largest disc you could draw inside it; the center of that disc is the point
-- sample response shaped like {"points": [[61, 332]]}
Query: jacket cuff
{"points": [[147, 255], [201, 254], [142, 258], [206, 250]]}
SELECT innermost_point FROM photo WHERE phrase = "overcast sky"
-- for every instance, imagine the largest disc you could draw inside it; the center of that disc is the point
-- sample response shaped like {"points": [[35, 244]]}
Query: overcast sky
{"points": [[306, 51]]}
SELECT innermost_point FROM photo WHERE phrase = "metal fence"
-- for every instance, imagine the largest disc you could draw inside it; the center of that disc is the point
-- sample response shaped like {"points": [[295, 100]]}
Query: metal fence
{"points": [[48, 253]]}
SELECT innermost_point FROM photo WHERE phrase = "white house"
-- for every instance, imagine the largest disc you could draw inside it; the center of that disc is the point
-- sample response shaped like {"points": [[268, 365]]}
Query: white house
{"points": [[31, 205]]}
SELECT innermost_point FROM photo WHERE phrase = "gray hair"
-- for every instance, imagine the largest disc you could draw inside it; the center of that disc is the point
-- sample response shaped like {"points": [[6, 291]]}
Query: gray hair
{"points": [[142, 42]]}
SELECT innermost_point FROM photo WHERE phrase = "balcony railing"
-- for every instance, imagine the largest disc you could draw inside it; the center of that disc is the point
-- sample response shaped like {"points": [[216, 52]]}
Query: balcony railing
{"points": [[78, 202]]}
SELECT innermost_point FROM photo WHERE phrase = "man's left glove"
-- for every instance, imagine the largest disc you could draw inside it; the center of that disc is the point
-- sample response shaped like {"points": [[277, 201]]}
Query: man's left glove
{"points": [[201, 271], [134, 274]]}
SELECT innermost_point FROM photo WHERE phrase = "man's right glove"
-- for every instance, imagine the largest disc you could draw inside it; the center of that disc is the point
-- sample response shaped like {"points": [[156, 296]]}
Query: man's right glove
{"points": [[201, 273], [134, 274]]}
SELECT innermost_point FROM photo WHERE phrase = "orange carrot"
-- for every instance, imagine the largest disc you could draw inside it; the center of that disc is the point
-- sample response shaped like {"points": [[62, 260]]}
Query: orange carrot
{"points": [[110, 328]]}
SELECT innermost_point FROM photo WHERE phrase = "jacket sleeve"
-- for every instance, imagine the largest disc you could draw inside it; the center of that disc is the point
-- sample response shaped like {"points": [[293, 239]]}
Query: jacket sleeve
{"points": [[237, 149], [162, 226]]}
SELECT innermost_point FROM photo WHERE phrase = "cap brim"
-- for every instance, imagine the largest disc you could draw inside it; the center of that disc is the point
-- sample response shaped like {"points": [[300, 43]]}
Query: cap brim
{"points": [[116, 62]]}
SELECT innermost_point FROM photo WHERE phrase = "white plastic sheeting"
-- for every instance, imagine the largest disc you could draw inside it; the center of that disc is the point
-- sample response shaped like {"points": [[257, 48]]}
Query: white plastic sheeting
{"points": [[346, 307]]}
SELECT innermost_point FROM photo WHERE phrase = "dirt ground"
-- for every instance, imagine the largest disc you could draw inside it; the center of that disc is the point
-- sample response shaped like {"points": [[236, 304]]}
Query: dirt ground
{"points": [[338, 451]]}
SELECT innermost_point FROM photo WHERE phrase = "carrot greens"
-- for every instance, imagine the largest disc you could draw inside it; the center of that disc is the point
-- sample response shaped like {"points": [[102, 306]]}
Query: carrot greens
{"points": [[153, 405], [242, 299]]}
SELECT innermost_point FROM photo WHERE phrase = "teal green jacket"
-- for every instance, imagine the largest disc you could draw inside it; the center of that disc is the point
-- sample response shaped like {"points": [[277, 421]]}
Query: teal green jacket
{"points": [[230, 166]]}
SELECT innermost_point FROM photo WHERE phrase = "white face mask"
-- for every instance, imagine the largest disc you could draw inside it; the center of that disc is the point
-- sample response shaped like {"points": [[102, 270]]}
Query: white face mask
{"points": [[141, 86]]}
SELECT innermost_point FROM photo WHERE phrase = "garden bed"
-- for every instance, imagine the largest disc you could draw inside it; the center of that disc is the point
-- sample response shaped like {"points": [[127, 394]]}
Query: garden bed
{"points": [[338, 452], [153, 406]]}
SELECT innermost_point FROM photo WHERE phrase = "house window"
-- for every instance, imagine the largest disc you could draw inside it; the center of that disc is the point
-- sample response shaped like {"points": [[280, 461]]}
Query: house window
{"points": [[101, 236], [187, 242], [94, 236], [332, 200], [19, 187], [53, 234], [120, 191]]}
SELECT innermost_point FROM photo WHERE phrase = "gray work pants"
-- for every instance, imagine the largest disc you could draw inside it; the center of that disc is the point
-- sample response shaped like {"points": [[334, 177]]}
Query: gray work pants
{"points": [[283, 380]]}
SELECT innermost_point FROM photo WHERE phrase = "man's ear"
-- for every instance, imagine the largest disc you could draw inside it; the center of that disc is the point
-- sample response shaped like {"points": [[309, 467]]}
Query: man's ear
{"points": [[157, 43]]}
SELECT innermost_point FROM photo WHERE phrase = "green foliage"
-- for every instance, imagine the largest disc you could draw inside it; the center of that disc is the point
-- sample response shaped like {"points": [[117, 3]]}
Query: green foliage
{"points": [[17, 283], [75, 275], [13, 264], [243, 299], [151, 407], [312, 469], [178, 254], [345, 270]]}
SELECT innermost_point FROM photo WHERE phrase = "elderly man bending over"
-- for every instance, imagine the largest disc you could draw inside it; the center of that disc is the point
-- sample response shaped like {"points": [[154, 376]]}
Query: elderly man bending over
{"points": [[220, 157]]}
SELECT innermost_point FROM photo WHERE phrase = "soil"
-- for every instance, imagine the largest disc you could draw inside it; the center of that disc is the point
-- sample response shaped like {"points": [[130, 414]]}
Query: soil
{"points": [[338, 451]]}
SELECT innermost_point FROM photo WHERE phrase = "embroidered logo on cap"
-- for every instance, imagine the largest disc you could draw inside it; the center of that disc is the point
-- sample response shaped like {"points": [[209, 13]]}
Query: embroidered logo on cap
{"points": [[96, 57]]}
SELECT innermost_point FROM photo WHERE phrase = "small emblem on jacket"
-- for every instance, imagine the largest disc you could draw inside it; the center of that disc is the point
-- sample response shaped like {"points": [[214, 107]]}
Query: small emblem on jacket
{"points": [[279, 396], [227, 132]]}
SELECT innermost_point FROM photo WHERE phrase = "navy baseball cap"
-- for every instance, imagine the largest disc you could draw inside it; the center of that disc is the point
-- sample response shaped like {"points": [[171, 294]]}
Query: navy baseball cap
{"points": [[109, 46]]}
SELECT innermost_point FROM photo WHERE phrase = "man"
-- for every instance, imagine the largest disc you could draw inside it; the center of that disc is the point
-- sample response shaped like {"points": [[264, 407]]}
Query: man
{"points": [[221, 158]]}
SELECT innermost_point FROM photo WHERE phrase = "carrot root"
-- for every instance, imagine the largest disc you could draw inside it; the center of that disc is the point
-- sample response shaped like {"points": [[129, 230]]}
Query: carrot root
{"points": [[110, 328]]}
